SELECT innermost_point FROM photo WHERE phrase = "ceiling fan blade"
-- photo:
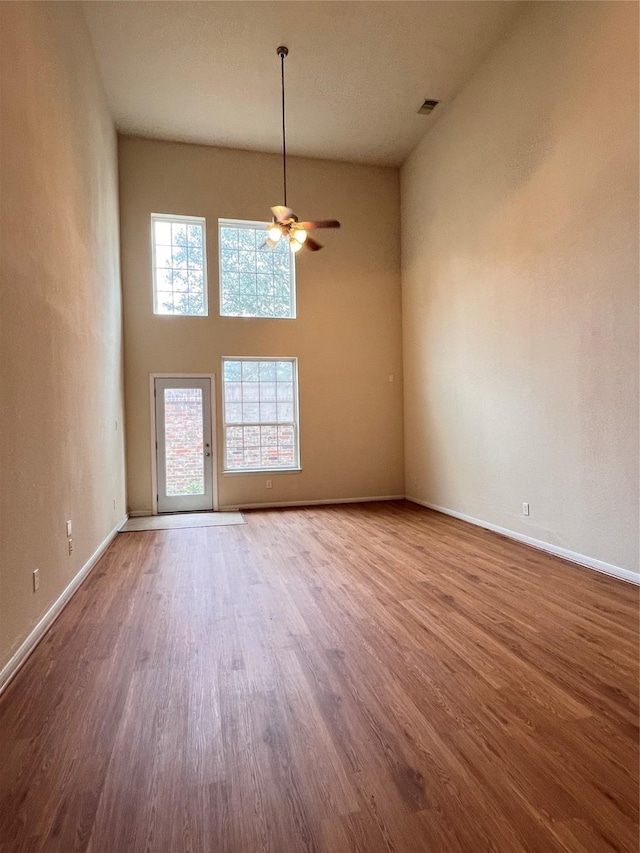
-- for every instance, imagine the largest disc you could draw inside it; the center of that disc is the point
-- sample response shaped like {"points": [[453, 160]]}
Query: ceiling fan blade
{"points": [[281, 212], [321, 223], [311, 245]]}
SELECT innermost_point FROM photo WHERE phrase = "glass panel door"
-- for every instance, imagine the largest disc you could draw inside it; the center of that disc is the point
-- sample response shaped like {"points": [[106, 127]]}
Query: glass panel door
{"points": [[184, 453]]}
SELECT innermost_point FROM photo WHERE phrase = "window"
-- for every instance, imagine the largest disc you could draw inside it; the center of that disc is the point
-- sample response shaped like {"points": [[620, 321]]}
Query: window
{"points": [[179, 265], [260, 414], [255, 281]]}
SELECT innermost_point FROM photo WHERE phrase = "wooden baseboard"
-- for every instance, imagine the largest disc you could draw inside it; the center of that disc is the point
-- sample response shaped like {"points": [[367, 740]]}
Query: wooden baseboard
{"points": [[326, 502], [556, 550], [13, 665]]}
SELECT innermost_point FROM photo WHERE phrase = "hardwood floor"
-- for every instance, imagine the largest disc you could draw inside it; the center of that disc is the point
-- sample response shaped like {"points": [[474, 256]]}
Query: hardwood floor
{"points": [[356, 678]]}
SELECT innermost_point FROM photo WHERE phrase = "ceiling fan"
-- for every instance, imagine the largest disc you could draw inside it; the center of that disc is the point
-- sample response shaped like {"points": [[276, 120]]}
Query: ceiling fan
{"points": [[285, 223]]}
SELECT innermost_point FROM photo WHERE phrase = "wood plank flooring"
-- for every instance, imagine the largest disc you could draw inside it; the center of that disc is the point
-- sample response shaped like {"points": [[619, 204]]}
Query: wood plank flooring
{"points": [[366, 678]]}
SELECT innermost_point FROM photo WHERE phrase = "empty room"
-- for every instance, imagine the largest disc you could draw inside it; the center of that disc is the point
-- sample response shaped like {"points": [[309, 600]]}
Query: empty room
{"points": [[319, 441]]}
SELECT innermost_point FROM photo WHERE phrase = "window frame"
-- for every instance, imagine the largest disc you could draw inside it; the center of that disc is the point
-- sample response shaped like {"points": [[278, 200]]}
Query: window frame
{"points": [[187, 220], [254, 226], [297, 466]]}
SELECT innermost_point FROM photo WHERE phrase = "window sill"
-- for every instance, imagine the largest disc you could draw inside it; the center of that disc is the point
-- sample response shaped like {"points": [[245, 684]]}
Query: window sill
{"points": [[253, 317], [257, 471]]}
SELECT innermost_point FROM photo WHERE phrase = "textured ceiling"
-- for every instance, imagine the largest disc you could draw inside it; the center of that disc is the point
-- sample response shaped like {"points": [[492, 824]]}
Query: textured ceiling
{"points": [[356, 73]]}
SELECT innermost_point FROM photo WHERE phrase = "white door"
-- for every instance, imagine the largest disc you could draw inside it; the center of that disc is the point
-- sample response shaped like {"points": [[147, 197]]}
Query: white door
{"points": [[184, 454]]}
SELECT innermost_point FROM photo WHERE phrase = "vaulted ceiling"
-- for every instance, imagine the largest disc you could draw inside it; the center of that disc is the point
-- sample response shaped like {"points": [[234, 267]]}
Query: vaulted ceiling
{"points": [[356, 74]]}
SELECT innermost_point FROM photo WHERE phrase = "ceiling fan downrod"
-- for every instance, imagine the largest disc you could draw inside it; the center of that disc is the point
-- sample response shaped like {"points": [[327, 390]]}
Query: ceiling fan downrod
{"points": [[285, 224], [283, 51]]}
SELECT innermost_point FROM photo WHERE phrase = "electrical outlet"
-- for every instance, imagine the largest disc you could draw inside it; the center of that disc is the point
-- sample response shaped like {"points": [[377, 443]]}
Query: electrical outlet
{"points": [[269, 484], [525, 509], [69, 529], [71, 546], [36, 579]]}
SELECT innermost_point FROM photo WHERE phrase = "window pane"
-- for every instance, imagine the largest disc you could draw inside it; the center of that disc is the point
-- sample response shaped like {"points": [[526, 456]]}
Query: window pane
{"points": [[250, 371], [183, 436], [195, 305], [266, 275], [251, 413], [229, 260], [284, 391], [229, 238], [264, 264], [249, 305], [246, 240], [194, 235], [178, 234], [282, 299], [251, 392], [284, 371], [268, 413], [268, 391], [285, 436], [285, 412], [179, 267], [270, 457], [234, 447], [233, 413], [162, 232], [233, 391], [178, 257], [194, 259], [232, 370], [231, 295], [163, 257], [269, 436], [195, 281], [251, 436], [254, 399], [246, 262], [164, 280], [165, 304], [267, 371], [264, 295], [252, 457]]}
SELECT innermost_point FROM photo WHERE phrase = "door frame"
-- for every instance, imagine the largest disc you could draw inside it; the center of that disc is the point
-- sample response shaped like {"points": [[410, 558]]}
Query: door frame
{"points": [[214, 433]]}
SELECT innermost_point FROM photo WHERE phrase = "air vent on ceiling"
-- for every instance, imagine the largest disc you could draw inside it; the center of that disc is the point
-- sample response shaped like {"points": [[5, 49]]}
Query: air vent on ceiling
{"points": [[428, 107]]}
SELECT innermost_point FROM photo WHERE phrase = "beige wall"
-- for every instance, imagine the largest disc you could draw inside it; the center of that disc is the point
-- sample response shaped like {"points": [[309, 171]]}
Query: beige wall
{"points": [[347, 336], [60, 335], [520, 287]]}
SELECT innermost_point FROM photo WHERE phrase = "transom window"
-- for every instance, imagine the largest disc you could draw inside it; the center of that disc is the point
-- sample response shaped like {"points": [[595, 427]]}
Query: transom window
{"points": [[179, 265], [255, 281], [260, 414]]}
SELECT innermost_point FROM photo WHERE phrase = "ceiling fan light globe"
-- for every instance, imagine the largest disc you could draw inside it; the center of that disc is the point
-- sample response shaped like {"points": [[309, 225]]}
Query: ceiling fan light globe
{"points": [[274, 233], [294, 245], [300, 235]]}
